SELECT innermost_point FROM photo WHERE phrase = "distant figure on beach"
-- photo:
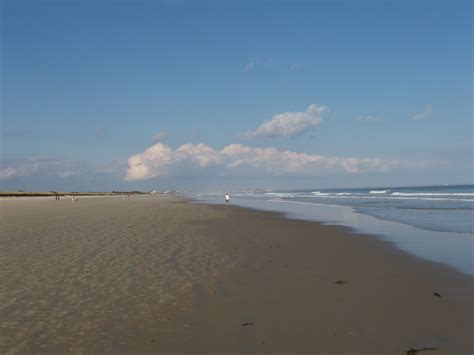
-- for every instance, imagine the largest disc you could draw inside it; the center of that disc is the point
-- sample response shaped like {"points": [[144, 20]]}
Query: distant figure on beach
{"points": [[227, 198]]}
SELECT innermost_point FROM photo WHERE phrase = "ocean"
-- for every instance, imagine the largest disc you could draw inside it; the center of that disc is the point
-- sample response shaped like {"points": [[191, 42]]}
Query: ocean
{"points": [[431, 222]]}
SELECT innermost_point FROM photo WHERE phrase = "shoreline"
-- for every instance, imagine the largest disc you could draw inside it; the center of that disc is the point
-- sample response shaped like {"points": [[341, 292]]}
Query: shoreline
{"points": [[246, 276], [351, 232], [446, 248], [158, 273]]}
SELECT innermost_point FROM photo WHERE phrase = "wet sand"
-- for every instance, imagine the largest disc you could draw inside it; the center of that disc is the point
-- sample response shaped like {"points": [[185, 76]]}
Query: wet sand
{"points": [[154, 274]]}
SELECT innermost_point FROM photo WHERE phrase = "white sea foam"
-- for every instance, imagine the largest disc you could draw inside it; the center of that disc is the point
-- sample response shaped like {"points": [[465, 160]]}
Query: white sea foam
{"points": [[432, 194], [390, 197], [379, 191], [318, 193], [280, 194], [310, 203], [430, 198]]}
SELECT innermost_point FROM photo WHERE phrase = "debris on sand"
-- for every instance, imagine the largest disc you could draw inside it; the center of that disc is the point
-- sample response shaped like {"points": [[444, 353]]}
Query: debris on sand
{"points": [[437, 294], [246, 324], [340, 282]]}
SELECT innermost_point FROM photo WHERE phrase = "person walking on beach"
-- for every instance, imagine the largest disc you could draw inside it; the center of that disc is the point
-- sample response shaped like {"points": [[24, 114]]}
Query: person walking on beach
{"points": [[227, 198]]}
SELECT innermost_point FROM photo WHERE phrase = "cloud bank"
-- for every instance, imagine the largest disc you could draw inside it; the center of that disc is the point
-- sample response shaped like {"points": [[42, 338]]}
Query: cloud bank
{"points": [[288, 124], [161, 160], [52, 167]]}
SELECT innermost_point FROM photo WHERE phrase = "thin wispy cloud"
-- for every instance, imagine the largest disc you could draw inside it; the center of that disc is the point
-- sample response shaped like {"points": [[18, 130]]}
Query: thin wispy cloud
{"points": [[366, 119], [420, 116], [161, 160], [249, 66], [269, 63], [67, 173], [100, 132], [8, 173], [159, 137], [14, 134], [288, 124], [296, 66], [33, 173], [40, 166]]}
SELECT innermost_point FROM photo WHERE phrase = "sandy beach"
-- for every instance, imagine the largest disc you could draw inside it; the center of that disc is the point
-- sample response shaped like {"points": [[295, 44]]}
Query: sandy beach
{"points": [[156, 274]]}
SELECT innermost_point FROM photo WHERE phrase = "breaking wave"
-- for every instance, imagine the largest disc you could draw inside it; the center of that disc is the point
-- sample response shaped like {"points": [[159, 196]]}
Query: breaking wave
{"points": [[432, 194]]}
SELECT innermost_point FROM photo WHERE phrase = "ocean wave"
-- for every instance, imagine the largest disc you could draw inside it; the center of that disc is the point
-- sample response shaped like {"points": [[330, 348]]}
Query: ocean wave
{"points": [[432, 194], [279, 194], [309, 203], [246, 195], [390, 197], [379, 191], [318, 193]]}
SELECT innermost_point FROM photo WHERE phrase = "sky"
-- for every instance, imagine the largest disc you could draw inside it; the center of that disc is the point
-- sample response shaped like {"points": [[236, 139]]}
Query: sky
{"points": [[151, 95]]}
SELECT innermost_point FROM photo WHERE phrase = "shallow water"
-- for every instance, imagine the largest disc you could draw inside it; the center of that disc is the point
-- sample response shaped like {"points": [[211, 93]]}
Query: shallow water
{"points": [[436, 208]]}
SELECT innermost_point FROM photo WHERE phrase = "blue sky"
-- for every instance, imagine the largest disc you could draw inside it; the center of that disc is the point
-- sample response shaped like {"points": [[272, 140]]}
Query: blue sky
{"points": [[87, 85]]}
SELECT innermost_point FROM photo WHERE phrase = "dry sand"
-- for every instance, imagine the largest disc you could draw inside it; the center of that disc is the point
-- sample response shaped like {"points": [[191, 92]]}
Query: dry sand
{"points": [[154, 274]]}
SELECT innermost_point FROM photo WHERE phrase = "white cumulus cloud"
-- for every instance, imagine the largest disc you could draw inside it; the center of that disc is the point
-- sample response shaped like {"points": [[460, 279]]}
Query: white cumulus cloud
{"points": [[161, 160], [420, 116], [288, 124], [289, 162]]}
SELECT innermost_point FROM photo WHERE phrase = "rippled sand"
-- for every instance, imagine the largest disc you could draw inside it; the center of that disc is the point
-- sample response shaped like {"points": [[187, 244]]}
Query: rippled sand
{"points": [[154, 274], [81, 276]]}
